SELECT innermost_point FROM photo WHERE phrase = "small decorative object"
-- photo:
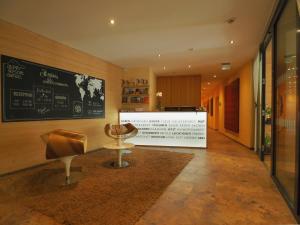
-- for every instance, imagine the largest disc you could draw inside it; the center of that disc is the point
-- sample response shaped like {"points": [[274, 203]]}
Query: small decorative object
{"points": [[202, 109], [267, 144], [268, 112], [158, 100], [146, 99], [124, 99], [138, 91]]}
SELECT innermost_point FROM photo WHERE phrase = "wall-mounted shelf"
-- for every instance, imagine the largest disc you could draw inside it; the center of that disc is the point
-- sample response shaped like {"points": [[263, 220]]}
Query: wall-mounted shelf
{"points": [[135, 94]]}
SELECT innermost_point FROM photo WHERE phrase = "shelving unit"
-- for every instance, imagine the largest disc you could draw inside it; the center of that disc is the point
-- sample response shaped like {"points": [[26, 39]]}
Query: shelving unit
{"points": [[135, 96]]}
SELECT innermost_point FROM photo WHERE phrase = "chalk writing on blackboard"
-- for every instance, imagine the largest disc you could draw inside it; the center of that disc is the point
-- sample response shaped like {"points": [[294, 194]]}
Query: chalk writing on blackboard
{"points": [[32, 91]]}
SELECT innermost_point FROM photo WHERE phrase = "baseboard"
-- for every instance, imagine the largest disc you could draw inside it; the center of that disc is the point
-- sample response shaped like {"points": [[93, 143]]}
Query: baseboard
{"points": [[251, 148], [40, 164]]}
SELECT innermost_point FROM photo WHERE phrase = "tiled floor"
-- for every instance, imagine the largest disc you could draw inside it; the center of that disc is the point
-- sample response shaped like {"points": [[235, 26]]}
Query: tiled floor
{"points": [[223, 185]]}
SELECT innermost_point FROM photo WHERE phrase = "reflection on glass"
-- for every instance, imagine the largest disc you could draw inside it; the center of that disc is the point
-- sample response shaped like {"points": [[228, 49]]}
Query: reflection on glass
{"points": [[268, 105], [286, 84]]}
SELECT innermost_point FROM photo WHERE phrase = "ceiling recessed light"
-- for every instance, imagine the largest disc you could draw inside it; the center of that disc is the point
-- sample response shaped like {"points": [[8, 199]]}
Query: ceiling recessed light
{"points": [[189, 66], [298, 30], [215, 76], [208, 83], [231, 20], [112, 21], [231, 42], [158, 55], [225, 66], [164, 68]]}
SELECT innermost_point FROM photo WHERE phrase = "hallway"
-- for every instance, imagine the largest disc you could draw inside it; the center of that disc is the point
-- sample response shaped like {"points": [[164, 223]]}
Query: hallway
{"points": [[224, 185]]}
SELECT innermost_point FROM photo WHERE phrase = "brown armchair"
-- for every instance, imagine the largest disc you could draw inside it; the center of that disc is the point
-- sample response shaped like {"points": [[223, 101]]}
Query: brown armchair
{"points": [[64, 145], [120, 132]]}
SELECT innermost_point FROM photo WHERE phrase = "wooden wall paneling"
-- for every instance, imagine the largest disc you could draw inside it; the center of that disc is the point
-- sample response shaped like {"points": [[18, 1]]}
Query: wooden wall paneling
{"points": [[20, 142], [180, 90], [164, 85], [193, 91], [178, 85], [197, 90]]}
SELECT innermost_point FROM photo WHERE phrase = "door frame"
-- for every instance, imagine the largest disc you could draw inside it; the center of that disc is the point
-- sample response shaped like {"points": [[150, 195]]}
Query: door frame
{"points": [[263, 48], [272, 30]]}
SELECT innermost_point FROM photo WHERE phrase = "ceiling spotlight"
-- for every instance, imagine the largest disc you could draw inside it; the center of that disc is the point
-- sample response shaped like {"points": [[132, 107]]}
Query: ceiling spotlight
{"points": [[158, 55], [112, 21], [215, 76], [298, 30], [231, 20], [189, 66], [208, 83], [164, 68], [225, 66], [231, 42]]}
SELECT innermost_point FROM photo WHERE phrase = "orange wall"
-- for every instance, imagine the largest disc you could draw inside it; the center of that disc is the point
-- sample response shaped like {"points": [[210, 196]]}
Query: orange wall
{"points": [[20, 142], [246, 120]]}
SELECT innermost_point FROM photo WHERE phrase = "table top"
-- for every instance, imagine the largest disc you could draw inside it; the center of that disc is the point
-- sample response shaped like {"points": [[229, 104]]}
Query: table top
{"points": [[115, 145]]}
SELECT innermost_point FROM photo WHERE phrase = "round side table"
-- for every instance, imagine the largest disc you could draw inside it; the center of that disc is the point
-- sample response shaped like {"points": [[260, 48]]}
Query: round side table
{"points": [[120, 148]]}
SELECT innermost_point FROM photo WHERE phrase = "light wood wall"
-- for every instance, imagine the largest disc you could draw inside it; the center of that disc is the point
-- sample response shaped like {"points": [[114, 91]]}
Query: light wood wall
{"points": [[20, 142], [180, 90]]}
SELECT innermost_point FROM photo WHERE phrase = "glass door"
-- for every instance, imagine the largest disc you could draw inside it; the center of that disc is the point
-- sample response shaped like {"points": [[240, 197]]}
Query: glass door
{"points": [[286, 84], [267, 90]]}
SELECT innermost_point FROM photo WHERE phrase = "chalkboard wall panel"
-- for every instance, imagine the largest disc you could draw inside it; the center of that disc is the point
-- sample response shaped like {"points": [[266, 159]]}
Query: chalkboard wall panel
{"points": [[32, 91]]}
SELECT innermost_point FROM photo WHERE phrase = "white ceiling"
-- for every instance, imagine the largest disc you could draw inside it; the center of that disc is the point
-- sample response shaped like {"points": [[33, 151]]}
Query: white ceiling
{"points": [[145, 28]]}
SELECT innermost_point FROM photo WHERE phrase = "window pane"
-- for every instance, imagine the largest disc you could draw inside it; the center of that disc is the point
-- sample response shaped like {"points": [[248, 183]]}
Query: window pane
{"points": [[285, 142]]}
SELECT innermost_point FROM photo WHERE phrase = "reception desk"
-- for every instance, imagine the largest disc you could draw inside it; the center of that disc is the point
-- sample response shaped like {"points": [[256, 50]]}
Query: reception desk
{"points": [[177, 129]]}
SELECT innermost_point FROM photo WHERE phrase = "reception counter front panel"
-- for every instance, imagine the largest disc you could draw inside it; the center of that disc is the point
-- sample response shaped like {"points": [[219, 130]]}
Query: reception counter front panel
{"points": [[178, 129]]}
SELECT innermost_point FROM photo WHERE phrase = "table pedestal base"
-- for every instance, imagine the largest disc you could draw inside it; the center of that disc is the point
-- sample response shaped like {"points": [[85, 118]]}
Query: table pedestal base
{"points": [[116, 164], [120, 148]]}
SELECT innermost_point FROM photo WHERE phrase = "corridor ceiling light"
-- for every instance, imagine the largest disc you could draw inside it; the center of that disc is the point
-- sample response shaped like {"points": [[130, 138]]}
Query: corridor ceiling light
{"points": [[231, 42], [112, 21], [298, 30], [225, 66], [158, 55], [208, 83], [231, 20], [164, 68], [189, 66], [215, 76]]}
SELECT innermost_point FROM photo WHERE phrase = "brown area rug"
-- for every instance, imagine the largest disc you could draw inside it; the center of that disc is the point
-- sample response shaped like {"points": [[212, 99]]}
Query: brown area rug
{"points": [[103, 195]]}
